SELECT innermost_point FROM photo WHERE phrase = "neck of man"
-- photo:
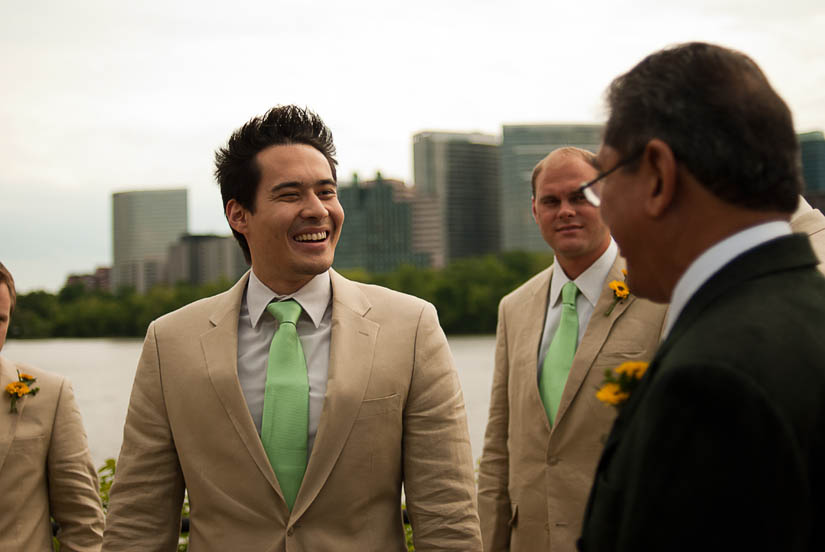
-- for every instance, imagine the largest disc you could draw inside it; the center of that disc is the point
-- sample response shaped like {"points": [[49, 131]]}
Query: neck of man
{"points": [[709, 220], [574, 266]]}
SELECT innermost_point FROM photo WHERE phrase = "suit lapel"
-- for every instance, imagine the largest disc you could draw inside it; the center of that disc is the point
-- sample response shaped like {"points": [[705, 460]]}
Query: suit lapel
{"points": [[352, 347], [8, 421], [220, 347], [595, 335], [528, 328]]}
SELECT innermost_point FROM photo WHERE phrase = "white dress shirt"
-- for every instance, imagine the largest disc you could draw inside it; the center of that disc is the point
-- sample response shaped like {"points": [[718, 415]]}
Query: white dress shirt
{"points": [[590, 283], [713, 259], [256, 328]]}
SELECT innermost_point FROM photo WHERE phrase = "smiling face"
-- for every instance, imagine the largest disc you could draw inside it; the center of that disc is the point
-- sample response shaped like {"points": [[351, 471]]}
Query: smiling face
{"points": [[297, 218], [568, 223]]}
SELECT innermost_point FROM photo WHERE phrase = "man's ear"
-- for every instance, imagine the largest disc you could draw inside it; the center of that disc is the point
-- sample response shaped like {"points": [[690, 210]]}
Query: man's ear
{"points": [[533, 208], [237, 215], [660, 164]]}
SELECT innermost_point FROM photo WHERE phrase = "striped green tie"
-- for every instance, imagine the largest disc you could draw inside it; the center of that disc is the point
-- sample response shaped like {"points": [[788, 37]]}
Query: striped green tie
{"points": [[286, 402], [560, 355]]}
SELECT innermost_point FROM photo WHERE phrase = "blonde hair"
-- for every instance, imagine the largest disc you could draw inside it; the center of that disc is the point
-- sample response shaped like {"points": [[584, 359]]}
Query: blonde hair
{"points": [[567, 151]]}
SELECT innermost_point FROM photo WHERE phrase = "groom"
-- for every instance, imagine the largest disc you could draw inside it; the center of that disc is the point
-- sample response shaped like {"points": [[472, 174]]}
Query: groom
{"points": [[722, 446], [298, 440]]}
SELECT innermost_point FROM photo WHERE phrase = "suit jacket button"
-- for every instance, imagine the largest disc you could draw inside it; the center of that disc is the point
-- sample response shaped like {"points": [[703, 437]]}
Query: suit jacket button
{"points": [[553, 460], [290, 531]]}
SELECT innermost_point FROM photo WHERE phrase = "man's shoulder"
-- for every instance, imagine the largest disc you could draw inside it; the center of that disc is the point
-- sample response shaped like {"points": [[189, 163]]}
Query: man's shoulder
{"points": [[10, 368], [742, 324], [202, 310], [385, 299], [527, 290], [50, 386]]}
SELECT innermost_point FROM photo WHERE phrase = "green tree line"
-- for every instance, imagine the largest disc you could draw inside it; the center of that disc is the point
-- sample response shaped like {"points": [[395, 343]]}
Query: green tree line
{"points": [[466, 294]]}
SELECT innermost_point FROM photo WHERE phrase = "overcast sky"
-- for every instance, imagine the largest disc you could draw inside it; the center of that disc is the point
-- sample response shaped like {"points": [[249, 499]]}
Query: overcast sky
{"points": [[99, 96]]}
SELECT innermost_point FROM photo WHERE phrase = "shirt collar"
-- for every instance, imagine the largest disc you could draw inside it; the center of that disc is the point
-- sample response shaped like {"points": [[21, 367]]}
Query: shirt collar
{"points": [[314, 297], [713, 259], [590, 282]]}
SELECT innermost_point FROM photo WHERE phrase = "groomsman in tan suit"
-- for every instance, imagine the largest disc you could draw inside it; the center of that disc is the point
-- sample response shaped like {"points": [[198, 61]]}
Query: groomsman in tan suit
{"points": [[378, 403], [808, 220], [546, 428], [45, 467]]}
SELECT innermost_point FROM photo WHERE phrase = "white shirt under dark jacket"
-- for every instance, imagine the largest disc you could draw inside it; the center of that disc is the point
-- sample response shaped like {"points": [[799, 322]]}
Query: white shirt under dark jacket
{"points": [[713, 260], [256, 328], [590, 284]]}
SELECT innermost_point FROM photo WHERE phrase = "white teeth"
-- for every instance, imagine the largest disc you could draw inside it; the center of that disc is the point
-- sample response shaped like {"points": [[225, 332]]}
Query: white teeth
{"points": [[314, 236]]}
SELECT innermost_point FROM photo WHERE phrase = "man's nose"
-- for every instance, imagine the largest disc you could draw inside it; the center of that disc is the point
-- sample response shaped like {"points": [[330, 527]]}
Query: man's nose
{"points": [[314, 208], [566, 209]]}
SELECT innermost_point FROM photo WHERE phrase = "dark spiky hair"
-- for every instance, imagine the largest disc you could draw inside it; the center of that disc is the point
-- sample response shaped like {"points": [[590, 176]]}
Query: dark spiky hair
{"points": [[236, 168]]}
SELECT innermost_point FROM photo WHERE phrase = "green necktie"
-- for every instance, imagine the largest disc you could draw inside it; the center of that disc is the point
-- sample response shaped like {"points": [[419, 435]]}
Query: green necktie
{"points": [[286, 402], [559, 357]]}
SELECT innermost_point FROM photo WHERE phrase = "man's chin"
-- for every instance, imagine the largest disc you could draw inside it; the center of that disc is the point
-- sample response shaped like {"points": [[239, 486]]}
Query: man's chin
{"points": [[313, 268]]}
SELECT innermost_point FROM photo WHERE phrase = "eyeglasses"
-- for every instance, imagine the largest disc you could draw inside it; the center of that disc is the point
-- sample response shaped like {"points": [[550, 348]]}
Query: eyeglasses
{"points": [[592, 193]]}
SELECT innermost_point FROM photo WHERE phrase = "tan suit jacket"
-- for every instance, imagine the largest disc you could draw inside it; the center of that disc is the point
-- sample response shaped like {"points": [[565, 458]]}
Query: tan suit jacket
{"points": [[46, 469], [533, 479], [393, 413], [812, 223]]}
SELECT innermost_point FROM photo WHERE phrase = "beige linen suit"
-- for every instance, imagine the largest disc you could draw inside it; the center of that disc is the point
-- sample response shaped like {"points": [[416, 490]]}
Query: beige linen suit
{"points": [[812, 222], [393, 413], [46, 469], [533, 479]]}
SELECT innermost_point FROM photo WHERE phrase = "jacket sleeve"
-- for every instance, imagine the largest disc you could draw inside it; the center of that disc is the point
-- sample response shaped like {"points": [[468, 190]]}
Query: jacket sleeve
{"points": [[74, 501], [493, 475], [147, 494], [438, 462]]}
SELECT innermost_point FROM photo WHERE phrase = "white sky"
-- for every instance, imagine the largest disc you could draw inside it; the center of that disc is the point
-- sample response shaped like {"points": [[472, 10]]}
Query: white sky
{"points": [[98, 96]]}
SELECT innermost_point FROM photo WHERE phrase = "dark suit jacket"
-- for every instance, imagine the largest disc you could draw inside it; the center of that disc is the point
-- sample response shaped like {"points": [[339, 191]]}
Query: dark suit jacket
{"points": [[722, 446]]}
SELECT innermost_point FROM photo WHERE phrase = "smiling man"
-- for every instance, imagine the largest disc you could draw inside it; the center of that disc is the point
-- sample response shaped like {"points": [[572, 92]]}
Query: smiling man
{"points": [[556, 335], [294, 406]]}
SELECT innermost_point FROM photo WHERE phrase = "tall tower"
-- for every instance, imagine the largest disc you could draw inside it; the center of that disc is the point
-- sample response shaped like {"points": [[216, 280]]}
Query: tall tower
{"points": [[144, 225], [522, 147], [455, 210]]}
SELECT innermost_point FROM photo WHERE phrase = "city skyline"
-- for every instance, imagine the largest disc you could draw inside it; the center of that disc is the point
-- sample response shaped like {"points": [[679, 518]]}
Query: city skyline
{"points": [[106, 98]]}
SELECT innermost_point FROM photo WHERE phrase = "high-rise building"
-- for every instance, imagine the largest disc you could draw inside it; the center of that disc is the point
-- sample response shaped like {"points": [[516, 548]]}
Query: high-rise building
{"points": [[812, 146], [203, 259], [144, 225], [456, 204], [377, 232], [522, 147]]}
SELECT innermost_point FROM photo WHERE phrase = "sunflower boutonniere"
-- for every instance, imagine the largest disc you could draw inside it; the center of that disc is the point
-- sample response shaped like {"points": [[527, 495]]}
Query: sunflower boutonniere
{"points": [[616, 388], [620, 293], [20, 388]]}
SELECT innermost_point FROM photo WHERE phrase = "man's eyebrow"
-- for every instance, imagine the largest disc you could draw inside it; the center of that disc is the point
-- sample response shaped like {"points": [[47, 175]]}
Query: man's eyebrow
{"points": [[282, 185], [296, 184]]}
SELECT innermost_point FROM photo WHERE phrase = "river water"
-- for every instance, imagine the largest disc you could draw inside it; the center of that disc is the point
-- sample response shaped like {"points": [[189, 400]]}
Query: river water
{"points": [[102, 370]]}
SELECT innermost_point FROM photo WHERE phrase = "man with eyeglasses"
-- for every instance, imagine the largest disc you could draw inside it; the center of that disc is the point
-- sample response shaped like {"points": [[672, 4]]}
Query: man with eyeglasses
{"points": [[722, 445], [557, 334]]}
